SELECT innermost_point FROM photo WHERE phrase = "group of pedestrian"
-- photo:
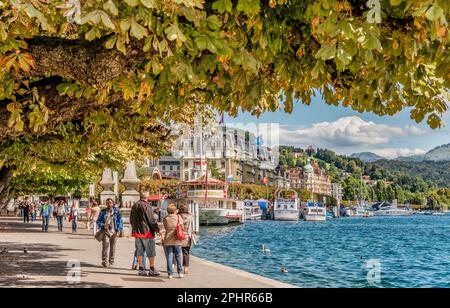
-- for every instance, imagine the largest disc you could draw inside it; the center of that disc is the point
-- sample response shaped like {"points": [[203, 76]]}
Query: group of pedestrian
{"points": [[28, 211], [176, 237], [47, 210], [107, 226]]}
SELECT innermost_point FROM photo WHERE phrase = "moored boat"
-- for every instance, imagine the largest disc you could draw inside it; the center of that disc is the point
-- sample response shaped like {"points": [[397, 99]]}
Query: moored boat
{"points": [[314, 211], [361, 211], [252, 211], [386, 209], [286, 209], [210, 196]]}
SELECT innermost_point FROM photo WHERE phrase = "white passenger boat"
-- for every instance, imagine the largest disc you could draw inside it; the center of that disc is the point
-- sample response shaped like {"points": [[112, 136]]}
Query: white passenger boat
{"points": [[286, 209], [314, 211], [252, 211], [210, 196]]}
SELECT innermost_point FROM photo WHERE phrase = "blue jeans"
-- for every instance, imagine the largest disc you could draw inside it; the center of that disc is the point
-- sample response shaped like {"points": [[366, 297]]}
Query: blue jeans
{"points": [[75, 224], [33, 216], [60, 220], [45, 221], [170, 251]]}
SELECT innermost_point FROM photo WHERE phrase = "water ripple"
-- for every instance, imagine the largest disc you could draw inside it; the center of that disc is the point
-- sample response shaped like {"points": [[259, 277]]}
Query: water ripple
{"points": [[412, 251]]}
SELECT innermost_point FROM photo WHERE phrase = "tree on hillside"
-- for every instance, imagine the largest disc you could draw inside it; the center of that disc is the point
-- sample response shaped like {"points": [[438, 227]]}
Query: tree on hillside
{"points": [[97, 75], [399, 194]]}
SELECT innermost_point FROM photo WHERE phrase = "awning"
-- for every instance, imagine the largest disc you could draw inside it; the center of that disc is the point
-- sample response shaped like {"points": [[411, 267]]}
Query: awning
{"points": [[154, 198]]}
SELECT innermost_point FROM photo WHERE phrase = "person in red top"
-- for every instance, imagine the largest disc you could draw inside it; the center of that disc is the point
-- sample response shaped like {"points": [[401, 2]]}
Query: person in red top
{"points": [[144, 228]]}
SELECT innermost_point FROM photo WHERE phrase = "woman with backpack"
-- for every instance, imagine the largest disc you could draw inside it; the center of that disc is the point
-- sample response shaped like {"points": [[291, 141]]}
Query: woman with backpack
{"points": [[173, 240]]}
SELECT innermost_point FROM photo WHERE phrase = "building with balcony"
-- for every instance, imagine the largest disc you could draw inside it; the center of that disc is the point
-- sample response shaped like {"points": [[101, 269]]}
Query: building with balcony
{"points": [[311, 178], [235, 154]]}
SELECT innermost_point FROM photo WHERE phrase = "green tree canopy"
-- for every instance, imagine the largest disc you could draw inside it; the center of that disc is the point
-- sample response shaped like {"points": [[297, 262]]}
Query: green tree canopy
{"points": [[93, 75]]}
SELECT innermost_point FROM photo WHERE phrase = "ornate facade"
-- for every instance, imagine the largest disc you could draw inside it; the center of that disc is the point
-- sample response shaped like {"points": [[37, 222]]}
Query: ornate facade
{"points": [[311, 178]]}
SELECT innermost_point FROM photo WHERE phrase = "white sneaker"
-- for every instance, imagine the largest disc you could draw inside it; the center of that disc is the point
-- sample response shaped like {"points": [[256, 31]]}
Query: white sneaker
{"points": [[180, 275], [170, 276]]}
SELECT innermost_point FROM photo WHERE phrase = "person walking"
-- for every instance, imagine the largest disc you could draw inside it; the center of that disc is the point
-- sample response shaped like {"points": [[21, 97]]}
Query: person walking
{"points": [[186, 243], [172, 242], [45, 213], [26, 211], [144, 228], [134, 266], [95, 211], [33, 212], [110, 224], [88, 212], [74, 211], [67, 207], [60, 214]]}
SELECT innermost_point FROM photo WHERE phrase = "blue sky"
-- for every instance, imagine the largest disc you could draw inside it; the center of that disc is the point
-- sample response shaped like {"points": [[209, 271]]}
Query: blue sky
{"points": [[347, 131]]}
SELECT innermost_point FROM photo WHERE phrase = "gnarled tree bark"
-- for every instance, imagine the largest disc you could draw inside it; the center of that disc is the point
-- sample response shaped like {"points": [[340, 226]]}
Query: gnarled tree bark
{"points": [[62, 109], [5, 178], [82, 61]]}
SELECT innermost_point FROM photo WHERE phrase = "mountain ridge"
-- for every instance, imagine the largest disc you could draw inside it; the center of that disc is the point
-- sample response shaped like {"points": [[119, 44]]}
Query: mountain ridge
{"points": [[439, 153], [368, 157]]}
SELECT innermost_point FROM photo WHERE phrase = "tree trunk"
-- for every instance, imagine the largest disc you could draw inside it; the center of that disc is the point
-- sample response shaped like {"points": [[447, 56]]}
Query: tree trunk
{"points": [[5, 177]]}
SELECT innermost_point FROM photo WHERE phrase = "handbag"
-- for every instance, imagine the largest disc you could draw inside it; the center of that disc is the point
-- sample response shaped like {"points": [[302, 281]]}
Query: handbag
{"points": [[180, 230], [100, 235]]}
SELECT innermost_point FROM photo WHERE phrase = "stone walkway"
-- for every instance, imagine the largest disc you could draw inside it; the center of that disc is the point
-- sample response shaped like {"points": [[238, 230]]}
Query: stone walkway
{"points": [[46, 263]]}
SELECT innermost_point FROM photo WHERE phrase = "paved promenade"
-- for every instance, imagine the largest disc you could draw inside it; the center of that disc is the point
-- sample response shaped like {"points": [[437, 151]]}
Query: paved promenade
{"points": [[45, 263]]}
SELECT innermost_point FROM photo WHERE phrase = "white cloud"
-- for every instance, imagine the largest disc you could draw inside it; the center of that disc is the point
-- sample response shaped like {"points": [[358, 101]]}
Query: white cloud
{"points": [[347, 132], [395, 153]]}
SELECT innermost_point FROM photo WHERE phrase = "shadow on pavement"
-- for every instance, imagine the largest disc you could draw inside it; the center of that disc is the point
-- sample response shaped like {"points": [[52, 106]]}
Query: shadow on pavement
{"points": [[16, 225], [18, 268]]}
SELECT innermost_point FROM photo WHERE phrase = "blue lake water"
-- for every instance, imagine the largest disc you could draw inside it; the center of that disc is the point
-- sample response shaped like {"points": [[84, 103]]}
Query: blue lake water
{"points": [[410, 251]]}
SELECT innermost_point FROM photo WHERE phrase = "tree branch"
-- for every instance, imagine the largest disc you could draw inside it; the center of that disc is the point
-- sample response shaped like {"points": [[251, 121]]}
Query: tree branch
{"points": [[82, 61], [61, 109]]}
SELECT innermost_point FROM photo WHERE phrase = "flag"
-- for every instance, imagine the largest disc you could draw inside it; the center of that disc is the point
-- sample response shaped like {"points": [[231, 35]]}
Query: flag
{"points": [[259, 141]]}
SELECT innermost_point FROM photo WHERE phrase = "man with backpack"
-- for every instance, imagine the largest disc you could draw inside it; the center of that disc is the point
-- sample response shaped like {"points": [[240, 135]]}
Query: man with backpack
{"points": [[144, 228]]}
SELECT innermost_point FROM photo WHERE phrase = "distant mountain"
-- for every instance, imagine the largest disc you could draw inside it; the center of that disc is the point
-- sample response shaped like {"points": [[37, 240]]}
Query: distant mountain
{"points": [[441, 153], [437, 172], [414, 158], [367, 157]]}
